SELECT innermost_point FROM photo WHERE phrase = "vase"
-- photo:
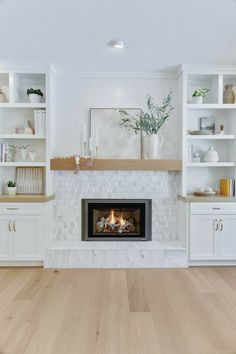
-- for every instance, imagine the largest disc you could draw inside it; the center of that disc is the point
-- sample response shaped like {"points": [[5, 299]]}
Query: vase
{"points": [[23, 154], [11, 190], [151, 145], [229, 95], [34, 98], [197, 99], [32, 155], [211, 155]]}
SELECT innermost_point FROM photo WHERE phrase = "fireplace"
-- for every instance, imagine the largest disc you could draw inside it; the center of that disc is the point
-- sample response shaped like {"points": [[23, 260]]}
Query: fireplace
{"points": [[116, 219]]}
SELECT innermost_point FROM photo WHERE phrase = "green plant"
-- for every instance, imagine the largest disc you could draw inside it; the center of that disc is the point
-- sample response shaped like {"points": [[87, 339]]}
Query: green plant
{"points": [[150, 121], [200, 92], [34, 91], [1, 91], [11, 184], [23, 147]]}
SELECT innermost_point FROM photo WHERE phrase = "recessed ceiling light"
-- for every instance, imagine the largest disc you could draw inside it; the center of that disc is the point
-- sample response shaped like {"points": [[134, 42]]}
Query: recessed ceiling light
{"points": [[118, 43]]}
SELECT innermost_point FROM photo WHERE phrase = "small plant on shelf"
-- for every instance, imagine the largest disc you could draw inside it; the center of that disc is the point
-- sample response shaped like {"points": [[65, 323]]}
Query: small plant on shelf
{"points": [[198, 95], [35, 95], [11, 188]]}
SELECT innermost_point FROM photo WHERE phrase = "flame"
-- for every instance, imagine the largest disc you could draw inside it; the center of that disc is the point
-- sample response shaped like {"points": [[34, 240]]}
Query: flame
{"points": [[121, 220], [112, 217]]}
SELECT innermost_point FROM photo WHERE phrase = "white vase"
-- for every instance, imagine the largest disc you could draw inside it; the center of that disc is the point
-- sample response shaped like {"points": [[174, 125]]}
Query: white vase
{"points": [[211, 155], [11, 190], [151, 145], [34, 98], [23, 154], [197, 99], [32, 155]]}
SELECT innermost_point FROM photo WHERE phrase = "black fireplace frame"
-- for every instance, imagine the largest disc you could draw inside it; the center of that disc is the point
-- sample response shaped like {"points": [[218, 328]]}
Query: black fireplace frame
{"points": [[147, 232]]}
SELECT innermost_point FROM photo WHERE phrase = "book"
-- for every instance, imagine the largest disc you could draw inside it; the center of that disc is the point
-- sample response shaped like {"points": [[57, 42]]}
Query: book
{"points": [[227, 187], [40, 122]]}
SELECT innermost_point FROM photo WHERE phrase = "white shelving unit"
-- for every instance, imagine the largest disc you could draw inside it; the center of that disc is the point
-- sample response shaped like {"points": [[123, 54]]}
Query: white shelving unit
{"points": [[16, 110], [198, 175]]}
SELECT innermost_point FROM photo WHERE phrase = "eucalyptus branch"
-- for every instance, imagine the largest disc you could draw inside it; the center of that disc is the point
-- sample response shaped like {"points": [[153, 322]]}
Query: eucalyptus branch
{"points": [[150, 121]]}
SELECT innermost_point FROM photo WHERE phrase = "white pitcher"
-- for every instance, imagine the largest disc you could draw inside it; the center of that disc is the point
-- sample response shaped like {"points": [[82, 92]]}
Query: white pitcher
{"points": [[151, 145]]}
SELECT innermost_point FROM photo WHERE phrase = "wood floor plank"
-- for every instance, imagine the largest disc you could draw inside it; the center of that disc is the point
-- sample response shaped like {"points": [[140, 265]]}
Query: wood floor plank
{"points": [[141, 311]]}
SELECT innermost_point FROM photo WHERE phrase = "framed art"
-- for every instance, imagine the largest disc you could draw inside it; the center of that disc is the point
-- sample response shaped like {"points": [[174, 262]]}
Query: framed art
{"points": [[115, 142]]}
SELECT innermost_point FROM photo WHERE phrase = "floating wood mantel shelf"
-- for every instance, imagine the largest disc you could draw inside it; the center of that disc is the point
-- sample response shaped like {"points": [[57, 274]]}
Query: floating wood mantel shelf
{"points": [[116, 165]]}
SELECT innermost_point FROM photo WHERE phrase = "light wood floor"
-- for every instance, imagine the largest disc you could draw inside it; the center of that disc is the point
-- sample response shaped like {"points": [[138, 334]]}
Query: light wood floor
{"points": [[177, 311]]}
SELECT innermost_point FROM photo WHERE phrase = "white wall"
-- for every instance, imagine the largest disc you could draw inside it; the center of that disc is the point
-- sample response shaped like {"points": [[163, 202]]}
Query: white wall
{"points": [[75, 96]]}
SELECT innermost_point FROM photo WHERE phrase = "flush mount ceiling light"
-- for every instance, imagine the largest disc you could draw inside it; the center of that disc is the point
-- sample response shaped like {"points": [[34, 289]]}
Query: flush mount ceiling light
{"points": [[118, 43]]}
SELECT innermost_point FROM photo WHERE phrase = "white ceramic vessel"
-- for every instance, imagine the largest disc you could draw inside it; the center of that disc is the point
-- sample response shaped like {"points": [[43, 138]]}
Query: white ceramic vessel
{"points": [[211, 155], [151, 145], [34, 98], [11, 190], [197, 99]]}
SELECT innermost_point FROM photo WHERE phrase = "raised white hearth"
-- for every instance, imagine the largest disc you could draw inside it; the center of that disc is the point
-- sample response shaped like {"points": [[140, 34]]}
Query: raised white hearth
{"points": [[165, 249]]}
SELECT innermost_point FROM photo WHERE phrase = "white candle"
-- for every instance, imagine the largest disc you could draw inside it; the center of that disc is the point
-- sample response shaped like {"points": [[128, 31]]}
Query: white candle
{"points": [[85, 132], [97, 138], [90, 144]]}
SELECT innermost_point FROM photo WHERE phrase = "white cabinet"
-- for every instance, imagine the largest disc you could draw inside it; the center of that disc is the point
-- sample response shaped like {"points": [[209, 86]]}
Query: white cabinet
{"points": [[227, 237], [212, 233], [25, 231], [202, 237], [5, 239]]}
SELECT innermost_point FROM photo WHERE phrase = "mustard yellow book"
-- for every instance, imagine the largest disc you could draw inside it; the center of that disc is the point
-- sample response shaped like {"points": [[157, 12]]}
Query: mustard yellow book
{"points": [[225, 187]]}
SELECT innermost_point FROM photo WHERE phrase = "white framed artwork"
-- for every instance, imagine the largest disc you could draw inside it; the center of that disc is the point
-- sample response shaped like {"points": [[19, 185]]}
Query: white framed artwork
{"points": [[115, 142]]}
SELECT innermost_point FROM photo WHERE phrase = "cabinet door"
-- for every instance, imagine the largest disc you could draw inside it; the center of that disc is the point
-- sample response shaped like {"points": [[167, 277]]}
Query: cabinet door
{"points": [[27, 238], [5, 239], [227, 238], [202, 237]]}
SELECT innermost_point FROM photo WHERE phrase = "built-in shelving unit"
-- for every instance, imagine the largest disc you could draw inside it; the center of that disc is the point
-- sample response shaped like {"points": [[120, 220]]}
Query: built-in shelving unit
{"points": [[203, 175], [15, 112]]}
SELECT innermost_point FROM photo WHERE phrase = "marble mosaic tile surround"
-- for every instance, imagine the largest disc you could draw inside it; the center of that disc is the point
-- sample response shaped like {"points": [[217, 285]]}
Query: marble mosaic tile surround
{"points": [[160, 186]]}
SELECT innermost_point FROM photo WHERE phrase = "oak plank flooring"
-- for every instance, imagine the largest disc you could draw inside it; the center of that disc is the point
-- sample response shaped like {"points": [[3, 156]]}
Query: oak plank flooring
{"points": [[133, 311]]}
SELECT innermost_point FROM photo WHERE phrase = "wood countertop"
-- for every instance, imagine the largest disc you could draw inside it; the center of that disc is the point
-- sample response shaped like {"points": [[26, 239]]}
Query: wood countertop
{"points": [[214, 199], [30, 198]]}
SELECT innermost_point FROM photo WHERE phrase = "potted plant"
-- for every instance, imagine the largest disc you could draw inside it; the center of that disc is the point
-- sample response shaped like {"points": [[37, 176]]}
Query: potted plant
{"points": [[23, 151], [35, 95], [198, 95], [11, 188], [148, 123]]}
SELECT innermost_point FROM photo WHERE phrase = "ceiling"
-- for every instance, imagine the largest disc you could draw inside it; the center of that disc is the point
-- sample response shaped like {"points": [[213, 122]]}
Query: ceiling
{"points": [[160, 33]]}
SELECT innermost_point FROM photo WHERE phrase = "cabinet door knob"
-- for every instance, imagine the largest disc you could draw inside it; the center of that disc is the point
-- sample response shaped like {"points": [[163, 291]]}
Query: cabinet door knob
{"points": [[14, 225]]}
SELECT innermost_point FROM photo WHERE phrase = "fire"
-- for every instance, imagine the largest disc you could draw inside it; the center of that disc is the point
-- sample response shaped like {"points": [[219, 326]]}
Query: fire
{"points": [[121, 220], [112, 217]]}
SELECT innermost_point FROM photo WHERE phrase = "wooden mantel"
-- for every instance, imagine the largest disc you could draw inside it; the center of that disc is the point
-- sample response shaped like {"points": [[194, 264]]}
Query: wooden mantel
{"points": [[116, 165]]}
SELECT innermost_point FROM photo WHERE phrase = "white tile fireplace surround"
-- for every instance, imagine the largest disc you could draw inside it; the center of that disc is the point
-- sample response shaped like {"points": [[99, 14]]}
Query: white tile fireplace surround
{"points": [[69, 251]]}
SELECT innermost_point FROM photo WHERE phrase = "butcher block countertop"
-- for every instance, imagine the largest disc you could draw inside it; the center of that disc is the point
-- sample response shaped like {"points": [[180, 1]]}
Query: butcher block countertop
{"points": [[30, 198], [213, 199]]}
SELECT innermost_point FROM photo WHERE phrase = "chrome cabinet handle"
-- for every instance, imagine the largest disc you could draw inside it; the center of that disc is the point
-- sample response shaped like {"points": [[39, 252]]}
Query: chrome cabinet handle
{"points": [[9, 226], [221, 225], [14, 226], [12, 208], [216, 225], [214, 208]]}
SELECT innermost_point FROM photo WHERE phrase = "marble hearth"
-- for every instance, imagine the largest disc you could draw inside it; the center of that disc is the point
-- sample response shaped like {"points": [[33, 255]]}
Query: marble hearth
{"points": [[68, 249]]}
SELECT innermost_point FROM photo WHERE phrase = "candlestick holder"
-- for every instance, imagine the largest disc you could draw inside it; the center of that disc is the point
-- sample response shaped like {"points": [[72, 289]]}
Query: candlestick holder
{"points": [[77, 164], [96, 152], [85, 148]]}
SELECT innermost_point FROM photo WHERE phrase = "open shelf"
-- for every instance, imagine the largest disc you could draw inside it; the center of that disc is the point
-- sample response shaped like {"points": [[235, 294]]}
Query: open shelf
{"points": [[22, 105], [210, 164], [211, 137], [24, 81], [210, 106], [22, 136], [111, 165], [22, 164]]}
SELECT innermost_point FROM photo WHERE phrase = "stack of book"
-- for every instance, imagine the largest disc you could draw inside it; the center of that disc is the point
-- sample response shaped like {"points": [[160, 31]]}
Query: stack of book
{"points": [[40, 122], [7, 153], [227, 187]]}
